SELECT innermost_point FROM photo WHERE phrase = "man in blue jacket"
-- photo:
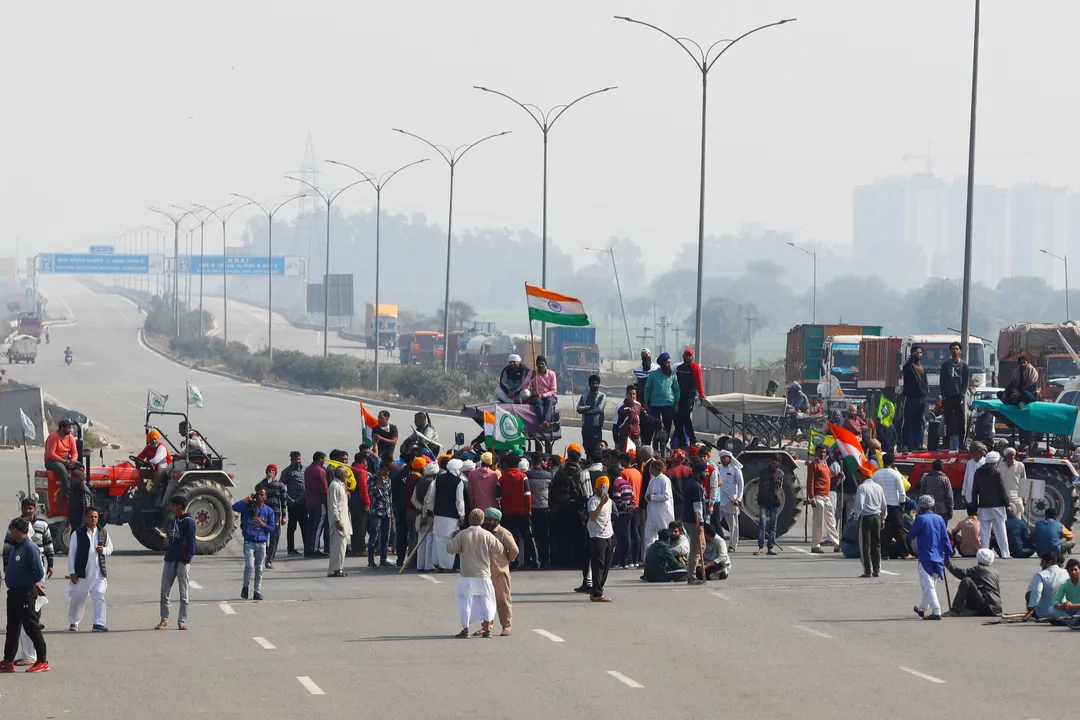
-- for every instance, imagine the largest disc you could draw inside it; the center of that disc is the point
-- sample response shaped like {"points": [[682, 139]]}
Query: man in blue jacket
{"points": [[178, 556], [931, 538], [661, 394], [256, 524], [25, 572]]}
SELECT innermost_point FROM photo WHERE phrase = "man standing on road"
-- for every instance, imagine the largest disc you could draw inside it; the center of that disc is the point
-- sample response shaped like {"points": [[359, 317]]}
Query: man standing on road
{"points": [[931, 539], [770, 497], [641, 376], [90, 545], [988, 493], [915, 391], [892, 485], [296, 500], [316, 485], [591, 409], [601, 538], [61, 452], [482, 483], [936, 484], [476, 548], [954, 378], [337, 503], [178, 556], [80, 499], [691, 388], [731, 495], [870, 509], [275, 498], [41, 536], [256, 521], [540, 479], [818, 485], [976, 458], [1014, 474], [693, 517], [445, 500], [24, 573], [386, 438], [379, 516], [500, 567], [516, 502]]}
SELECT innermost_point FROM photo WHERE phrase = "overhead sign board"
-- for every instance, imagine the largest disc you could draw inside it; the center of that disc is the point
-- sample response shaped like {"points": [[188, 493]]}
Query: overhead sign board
{"points": [[101, 249], [79, 263], [239, 265]]}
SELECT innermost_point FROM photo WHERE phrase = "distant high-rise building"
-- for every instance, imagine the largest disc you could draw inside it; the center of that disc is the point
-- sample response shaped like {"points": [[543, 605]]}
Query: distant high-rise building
{"points": [[990, 255], [901, 223], [1038, 220]]}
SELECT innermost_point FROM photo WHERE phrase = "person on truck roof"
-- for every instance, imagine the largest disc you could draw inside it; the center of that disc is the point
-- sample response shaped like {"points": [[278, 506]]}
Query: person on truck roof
{"points": [[544, 388], [953, 379], [512, 381], [916, 389], [1023, 387]]}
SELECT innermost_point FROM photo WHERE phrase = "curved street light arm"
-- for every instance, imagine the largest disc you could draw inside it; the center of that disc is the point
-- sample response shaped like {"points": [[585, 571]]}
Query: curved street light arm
{"points": [[701, 53], [542, 125], [387, 177], [458, 156], [699, 63], [252, 202], [232, 212], [368, 175], [319, 192], [745, 34], [215, 211], [444, 153], [575, 102], [283, 203], [334, 195], [174, 220]]}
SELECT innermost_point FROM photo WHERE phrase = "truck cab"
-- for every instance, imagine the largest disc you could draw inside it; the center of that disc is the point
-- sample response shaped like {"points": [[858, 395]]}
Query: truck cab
{"points": [[936, 351], [840, 371]]}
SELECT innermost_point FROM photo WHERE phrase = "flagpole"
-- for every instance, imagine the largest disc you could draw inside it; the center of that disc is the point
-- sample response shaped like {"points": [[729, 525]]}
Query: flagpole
{"points": [[532, 335], [26, 456]]}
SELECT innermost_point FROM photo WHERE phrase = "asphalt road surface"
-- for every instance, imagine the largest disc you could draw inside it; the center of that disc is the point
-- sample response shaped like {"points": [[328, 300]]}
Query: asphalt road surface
{"points": [[793, 636]]}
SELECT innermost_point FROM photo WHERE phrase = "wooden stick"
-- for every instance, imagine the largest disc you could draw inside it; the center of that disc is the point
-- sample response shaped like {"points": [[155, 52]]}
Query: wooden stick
{"points": [[412, 553]]}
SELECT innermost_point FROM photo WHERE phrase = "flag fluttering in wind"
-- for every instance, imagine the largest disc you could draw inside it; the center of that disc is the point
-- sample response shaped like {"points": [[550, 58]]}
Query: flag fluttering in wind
{"points": [[503, 430], [370, 423], [819, 438], [851, 449], [156, 400], [194, 397], [28, 426], [886, 411], [555, 309]]}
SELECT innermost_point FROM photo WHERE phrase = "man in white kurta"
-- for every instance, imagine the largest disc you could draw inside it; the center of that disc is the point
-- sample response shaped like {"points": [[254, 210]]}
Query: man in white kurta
{"points": [[476, 548], [730, 495], [337, 505], [90, 545], [661, 504], [445, 500]]}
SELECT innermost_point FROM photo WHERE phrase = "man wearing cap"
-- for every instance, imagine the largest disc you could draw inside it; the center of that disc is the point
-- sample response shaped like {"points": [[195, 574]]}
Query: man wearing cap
{"points": [[512, 381], [276, 493], [543, 386], [422, 534], [691, 388], [476, 548], [979, 592], [591, 409], [989, 495], [296, 502], [730, 495], [500, 566], [931, 539], [445, 500], [61, 452], [661, 393], [1014, 475], [641, 376]]}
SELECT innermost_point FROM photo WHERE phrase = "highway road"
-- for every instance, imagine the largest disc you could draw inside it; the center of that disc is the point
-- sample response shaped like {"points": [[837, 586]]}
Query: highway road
{"points": [[795, 636]]}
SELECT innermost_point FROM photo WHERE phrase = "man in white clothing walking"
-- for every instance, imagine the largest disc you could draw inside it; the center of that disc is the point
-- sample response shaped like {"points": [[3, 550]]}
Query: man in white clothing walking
{"points": [[337, 505], [730, 495], [90, 545]]}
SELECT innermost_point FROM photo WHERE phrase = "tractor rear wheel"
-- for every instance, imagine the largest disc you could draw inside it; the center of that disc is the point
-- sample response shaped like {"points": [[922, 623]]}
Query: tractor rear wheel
{"points": [[1060, 493], [151, 538], [793, 498], [61, 537], [209, 504]]}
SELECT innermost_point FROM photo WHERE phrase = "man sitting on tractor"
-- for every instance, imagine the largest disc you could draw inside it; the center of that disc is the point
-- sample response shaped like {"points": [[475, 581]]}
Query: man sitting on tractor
{"points": [[157, 456], [61, 452], [192, 444]]}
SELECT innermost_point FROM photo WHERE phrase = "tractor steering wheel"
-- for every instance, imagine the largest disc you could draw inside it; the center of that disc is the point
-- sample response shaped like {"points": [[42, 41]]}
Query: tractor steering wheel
{"points": [[140, 463]]}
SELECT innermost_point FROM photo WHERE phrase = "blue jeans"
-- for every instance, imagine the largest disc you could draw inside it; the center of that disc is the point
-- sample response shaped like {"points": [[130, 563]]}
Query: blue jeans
{"points": [[254, 558], [767, 517], [378, 533]]}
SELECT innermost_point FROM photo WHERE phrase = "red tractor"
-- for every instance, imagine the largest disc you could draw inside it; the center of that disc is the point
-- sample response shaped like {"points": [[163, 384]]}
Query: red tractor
{"points": [[121, 494]]}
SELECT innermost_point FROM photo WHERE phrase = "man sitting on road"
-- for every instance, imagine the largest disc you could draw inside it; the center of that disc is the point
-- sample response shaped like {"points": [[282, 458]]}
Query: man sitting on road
{"points": [[1067, 598], [680, 544], [1051, 536], [1021, 545], [979, 592], [716, 561], [966, 535], [1044, 587], [661, 565], [512, 382]]}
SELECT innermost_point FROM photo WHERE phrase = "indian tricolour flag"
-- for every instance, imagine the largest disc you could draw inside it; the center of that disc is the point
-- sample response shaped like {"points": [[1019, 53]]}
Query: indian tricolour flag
{"points": [[370, 423], [850, 448], [553, 308]]}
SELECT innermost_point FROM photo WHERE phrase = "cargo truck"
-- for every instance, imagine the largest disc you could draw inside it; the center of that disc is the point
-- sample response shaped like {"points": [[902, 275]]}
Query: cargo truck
{"points": [[936, 351], [388, 325], [573, 354], [824, 359], [1043, 347], [29, 324]]}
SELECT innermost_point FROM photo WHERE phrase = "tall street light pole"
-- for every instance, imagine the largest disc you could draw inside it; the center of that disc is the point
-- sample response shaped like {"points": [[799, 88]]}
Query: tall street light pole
{"points": [[1064, 259], [452, 157], [175, 220], [704, 61], [378, 183], [328, 198], [269, 212], [202, 254], [618, 286], [224, 220], [544, 121], [813, 254], [965, 313]]}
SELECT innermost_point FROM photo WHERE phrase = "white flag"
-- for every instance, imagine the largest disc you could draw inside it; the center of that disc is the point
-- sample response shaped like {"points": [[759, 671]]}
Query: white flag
{"points": [[194, 397], [630, 446], [28, 426], [156, 400]]}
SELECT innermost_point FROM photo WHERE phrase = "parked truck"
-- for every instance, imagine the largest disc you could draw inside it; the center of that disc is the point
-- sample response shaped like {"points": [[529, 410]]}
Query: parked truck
{"points": [[1040, 343], [573, 354], [29, 324], [388, 325], [824, 359], [23, 348]]}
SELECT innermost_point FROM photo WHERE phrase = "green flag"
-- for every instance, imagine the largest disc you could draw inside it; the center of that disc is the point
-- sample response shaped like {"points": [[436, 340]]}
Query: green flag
{"points": [[819, 438], [886, 411]]}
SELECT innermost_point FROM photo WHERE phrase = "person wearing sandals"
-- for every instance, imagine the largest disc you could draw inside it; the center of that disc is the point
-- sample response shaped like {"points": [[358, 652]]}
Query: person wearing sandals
{"points": [[500, 567], [178, 556], [601, 537], [476, 548]]}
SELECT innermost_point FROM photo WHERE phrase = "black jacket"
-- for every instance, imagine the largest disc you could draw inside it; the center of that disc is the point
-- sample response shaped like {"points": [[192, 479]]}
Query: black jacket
{"points": [[988, 488], [275, 497], [770, 489], [80, 498], [986, 579], [915, 385]]}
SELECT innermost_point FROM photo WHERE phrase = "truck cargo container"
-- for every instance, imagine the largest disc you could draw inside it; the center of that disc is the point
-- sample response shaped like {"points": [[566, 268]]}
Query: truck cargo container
{"points": [[388, 325], [573, 354], [806, 355]]}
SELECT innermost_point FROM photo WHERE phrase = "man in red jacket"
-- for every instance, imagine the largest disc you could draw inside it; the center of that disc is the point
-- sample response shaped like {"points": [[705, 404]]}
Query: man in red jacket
{"points": [[516, 504], [691, 387], [818, 482]]}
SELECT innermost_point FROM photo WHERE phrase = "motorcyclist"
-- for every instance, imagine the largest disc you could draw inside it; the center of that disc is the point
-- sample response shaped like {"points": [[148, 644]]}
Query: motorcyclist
{"points": [[47, 334], [512, 387], [67, 354], [796, 398]]}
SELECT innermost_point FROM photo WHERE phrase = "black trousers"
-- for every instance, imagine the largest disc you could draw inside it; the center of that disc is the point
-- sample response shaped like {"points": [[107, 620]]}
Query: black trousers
{"points": [[684, 425], [541, 532], [359, 515], [318, 525], [666, 417], [401, 534], [22, 615], [566, 537], [968, 597], [297, 518], [519, 526], [893, 538], [271, 546], [870, 543], [601, 551], [590, 439], [952, 411]]}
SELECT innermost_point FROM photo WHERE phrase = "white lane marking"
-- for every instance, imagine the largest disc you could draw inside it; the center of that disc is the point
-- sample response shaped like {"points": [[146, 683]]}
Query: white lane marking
{"points": [[265, 643], [812, 631], [194, 585], [764, 587], [923, 675], [887, 572], [624, 680], [430, 579], [721, 595], [226, 608], [550, 636], [309, 685], [799, 549]]}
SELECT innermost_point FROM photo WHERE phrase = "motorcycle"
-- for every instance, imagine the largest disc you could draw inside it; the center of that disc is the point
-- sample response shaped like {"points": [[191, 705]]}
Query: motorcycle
{"points": [[67, 358]]}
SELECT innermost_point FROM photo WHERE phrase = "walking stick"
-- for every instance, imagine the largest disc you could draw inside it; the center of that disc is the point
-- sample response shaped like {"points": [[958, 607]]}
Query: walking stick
{"points": [[948, 596], [412, 553], [701, 552], [806, 523]]}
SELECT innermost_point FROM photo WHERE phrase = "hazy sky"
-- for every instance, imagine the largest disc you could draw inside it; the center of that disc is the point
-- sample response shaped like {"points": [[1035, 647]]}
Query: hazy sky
{"points": [[113, 106]]}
